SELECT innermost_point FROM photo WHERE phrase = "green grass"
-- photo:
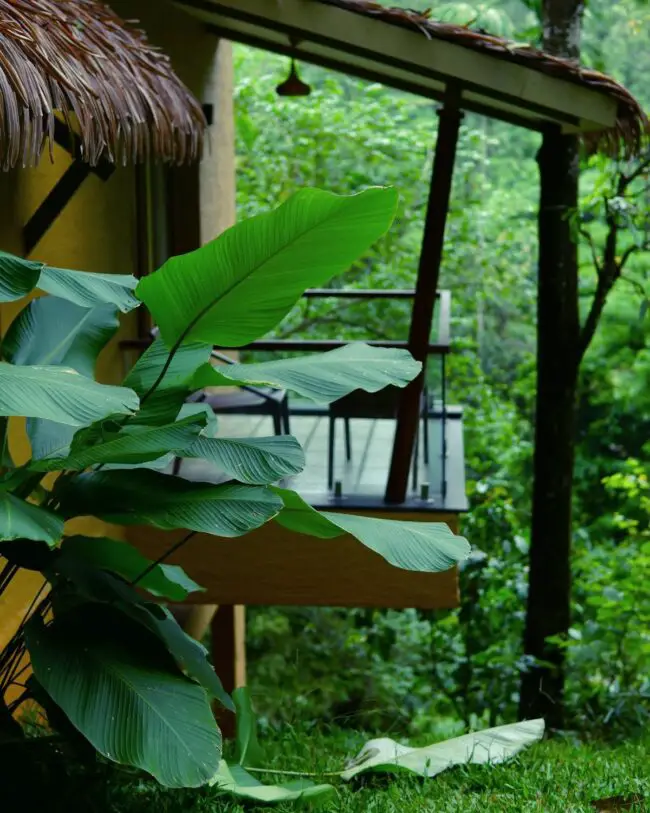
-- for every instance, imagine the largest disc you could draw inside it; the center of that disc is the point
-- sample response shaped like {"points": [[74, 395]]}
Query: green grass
{"points": [[553, 777]]}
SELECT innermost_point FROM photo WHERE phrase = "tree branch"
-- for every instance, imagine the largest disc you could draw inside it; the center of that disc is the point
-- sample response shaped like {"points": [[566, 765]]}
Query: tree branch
{"points": [[584, 232], [639, 286]]}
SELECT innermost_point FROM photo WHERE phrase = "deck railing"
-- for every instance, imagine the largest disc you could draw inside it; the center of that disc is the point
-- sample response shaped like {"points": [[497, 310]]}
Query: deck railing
{"points": [[439, 348]]}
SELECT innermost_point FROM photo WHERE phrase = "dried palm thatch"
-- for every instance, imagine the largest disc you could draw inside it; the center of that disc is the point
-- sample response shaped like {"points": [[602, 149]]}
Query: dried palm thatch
{"points": [[631, 125], [79, 60]]}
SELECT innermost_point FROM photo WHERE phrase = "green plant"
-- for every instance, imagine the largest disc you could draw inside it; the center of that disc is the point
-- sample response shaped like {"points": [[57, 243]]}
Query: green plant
{"points": [[609, 645], [107, 662]]}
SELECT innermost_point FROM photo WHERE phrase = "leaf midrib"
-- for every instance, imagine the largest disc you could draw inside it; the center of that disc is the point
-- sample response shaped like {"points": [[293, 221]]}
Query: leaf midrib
{"points": [[70, 337], [248, 274]]}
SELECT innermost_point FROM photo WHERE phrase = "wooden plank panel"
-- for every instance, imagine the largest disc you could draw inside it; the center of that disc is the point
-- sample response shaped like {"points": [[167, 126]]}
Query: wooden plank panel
{"points": [[273, 566]]}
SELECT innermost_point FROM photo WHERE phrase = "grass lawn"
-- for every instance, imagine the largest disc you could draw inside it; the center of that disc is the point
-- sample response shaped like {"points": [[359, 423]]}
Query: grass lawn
{"points": [[553, 777]]}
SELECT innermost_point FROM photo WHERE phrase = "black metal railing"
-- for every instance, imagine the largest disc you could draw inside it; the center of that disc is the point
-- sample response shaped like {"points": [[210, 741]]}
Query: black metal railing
{"points": [[439, 348]]}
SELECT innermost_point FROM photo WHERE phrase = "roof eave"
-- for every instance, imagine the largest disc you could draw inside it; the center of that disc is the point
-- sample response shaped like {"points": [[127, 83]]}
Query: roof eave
{"points": [[406, 59]]}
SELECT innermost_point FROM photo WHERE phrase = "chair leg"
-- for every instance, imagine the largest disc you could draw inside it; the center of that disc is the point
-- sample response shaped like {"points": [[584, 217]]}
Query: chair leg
{"points": [[330, 454], [348, 441], [416, 460], [277, 422], [425, 435], [285, 417]]}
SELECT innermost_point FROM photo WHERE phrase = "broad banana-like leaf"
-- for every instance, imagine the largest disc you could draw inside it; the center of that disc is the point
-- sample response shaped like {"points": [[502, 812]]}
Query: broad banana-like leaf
{"points": [[121, 689], [51, 331], [130, 445], [148, 497], [322, 377], [490, 746], [188, 653], [257, 461], [17, 276], [101, 586], [173, 379], [164, 581], [60, 394], [22, 520], [247, 748], [199, 408], [236, 781], [237, 287], [421, 546], [89, 289]]}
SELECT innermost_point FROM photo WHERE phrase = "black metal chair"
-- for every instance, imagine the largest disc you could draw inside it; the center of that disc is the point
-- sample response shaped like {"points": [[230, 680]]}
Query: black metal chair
{"points": [[382, 404], [248, 400]]}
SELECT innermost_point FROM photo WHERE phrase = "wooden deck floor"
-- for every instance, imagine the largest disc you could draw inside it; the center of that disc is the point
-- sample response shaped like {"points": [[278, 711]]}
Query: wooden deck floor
{"points": [[363, 478]]}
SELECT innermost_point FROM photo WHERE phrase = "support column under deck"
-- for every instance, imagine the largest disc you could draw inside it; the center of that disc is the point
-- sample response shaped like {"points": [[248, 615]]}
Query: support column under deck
{"points": [[408, 415]]}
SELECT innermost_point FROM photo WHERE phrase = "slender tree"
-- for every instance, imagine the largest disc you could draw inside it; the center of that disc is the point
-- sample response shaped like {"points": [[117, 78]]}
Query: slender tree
{"points": [[561, 344]]}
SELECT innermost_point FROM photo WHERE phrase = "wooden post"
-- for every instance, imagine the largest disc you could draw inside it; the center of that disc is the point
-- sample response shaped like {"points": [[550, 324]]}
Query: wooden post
{"points": [[183, 209], [548, 613], [229, 656], [425, 290]]}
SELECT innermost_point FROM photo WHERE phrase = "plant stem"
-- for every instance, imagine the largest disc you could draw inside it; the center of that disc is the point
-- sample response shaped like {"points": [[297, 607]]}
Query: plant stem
{"points": [[6, 575], [162, 558], [292, 773]]}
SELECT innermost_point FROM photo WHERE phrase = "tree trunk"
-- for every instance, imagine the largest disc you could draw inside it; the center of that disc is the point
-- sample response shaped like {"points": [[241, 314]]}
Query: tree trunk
{"points": [[558, 340]]}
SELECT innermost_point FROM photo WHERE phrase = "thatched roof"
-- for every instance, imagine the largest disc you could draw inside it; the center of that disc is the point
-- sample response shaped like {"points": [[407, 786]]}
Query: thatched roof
{"points": [[631, 121], [77, 59]]}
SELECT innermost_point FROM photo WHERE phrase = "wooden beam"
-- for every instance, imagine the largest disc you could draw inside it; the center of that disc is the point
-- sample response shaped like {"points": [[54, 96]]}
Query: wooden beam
{"points": [[394, 55], [144, 241], [64, 189], [276, 567], [425, 290], [57, 199]]}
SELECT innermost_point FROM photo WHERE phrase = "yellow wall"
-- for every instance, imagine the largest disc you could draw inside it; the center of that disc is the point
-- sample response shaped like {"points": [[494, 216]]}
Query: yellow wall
{"points": [[94, 233], [97, 230]]}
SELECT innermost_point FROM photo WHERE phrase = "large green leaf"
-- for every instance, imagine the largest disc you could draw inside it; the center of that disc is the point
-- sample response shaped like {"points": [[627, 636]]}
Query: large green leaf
{"points": [[60, 394], [130, 445], [322, 377], [120, 688], [164, 581], [100, 586], [54, 332], [236, 781], [421, 546], [87, 289], [237, 287], [251, 460], [22, 520], [490, 746], [17, 276], [48, 438], [148, 497], [247, 749], [188, 653], [175, 385]]}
